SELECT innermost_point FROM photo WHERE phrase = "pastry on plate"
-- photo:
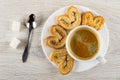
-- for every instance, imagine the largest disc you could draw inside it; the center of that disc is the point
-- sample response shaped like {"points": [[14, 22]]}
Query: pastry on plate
{"points": [[57, 38], [64, 62], [95, 22], [58, 56], [66, 66], [71, 19]]}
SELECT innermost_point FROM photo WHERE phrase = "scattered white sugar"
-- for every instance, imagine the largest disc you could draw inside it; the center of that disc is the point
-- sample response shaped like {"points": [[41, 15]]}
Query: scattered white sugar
{"points": [[16, 26], [15, 43]]}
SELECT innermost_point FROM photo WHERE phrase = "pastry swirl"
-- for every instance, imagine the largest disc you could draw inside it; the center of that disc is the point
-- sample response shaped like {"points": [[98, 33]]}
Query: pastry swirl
{"points": [[57, 40], [66, 66], [58, 56], [98, 22], [63, 60], [74, 16], [95, 22], [71, 19]]}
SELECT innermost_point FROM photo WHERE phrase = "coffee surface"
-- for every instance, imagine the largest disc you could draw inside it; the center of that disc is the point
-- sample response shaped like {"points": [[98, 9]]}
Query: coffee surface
{"points": [[84, 44]]}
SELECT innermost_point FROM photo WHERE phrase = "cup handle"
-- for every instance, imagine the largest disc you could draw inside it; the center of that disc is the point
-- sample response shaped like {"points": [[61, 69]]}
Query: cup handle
{"points": [[101, 59]]}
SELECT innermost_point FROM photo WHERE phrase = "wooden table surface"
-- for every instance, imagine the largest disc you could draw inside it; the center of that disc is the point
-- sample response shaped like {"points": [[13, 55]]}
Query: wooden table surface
{"points": [[37, 66]]}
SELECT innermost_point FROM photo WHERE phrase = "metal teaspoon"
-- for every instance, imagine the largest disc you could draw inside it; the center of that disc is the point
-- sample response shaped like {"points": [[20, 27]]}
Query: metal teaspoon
{"points": [[31, 24]]}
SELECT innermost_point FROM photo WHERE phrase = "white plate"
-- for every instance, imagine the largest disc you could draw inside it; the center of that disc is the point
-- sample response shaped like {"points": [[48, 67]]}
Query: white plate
{"points": [[79, 66]]}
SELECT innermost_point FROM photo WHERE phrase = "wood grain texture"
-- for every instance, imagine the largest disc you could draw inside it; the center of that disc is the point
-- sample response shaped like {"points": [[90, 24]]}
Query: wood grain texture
{"points": [[38, 67]]}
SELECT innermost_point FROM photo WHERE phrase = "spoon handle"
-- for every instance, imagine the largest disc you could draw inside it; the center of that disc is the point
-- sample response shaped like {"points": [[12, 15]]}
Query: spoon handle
{"points": [[25, 53]]}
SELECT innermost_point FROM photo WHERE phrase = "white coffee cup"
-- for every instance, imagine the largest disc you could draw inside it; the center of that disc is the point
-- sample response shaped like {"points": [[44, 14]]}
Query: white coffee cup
{"points": [[98, 55]]}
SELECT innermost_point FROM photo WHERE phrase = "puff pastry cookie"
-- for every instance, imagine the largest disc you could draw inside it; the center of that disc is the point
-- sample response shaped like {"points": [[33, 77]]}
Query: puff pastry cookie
{"points": [[58, 38], [71, 19], [66, 66], [89, 19], [63, 60], [58, 56]]}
